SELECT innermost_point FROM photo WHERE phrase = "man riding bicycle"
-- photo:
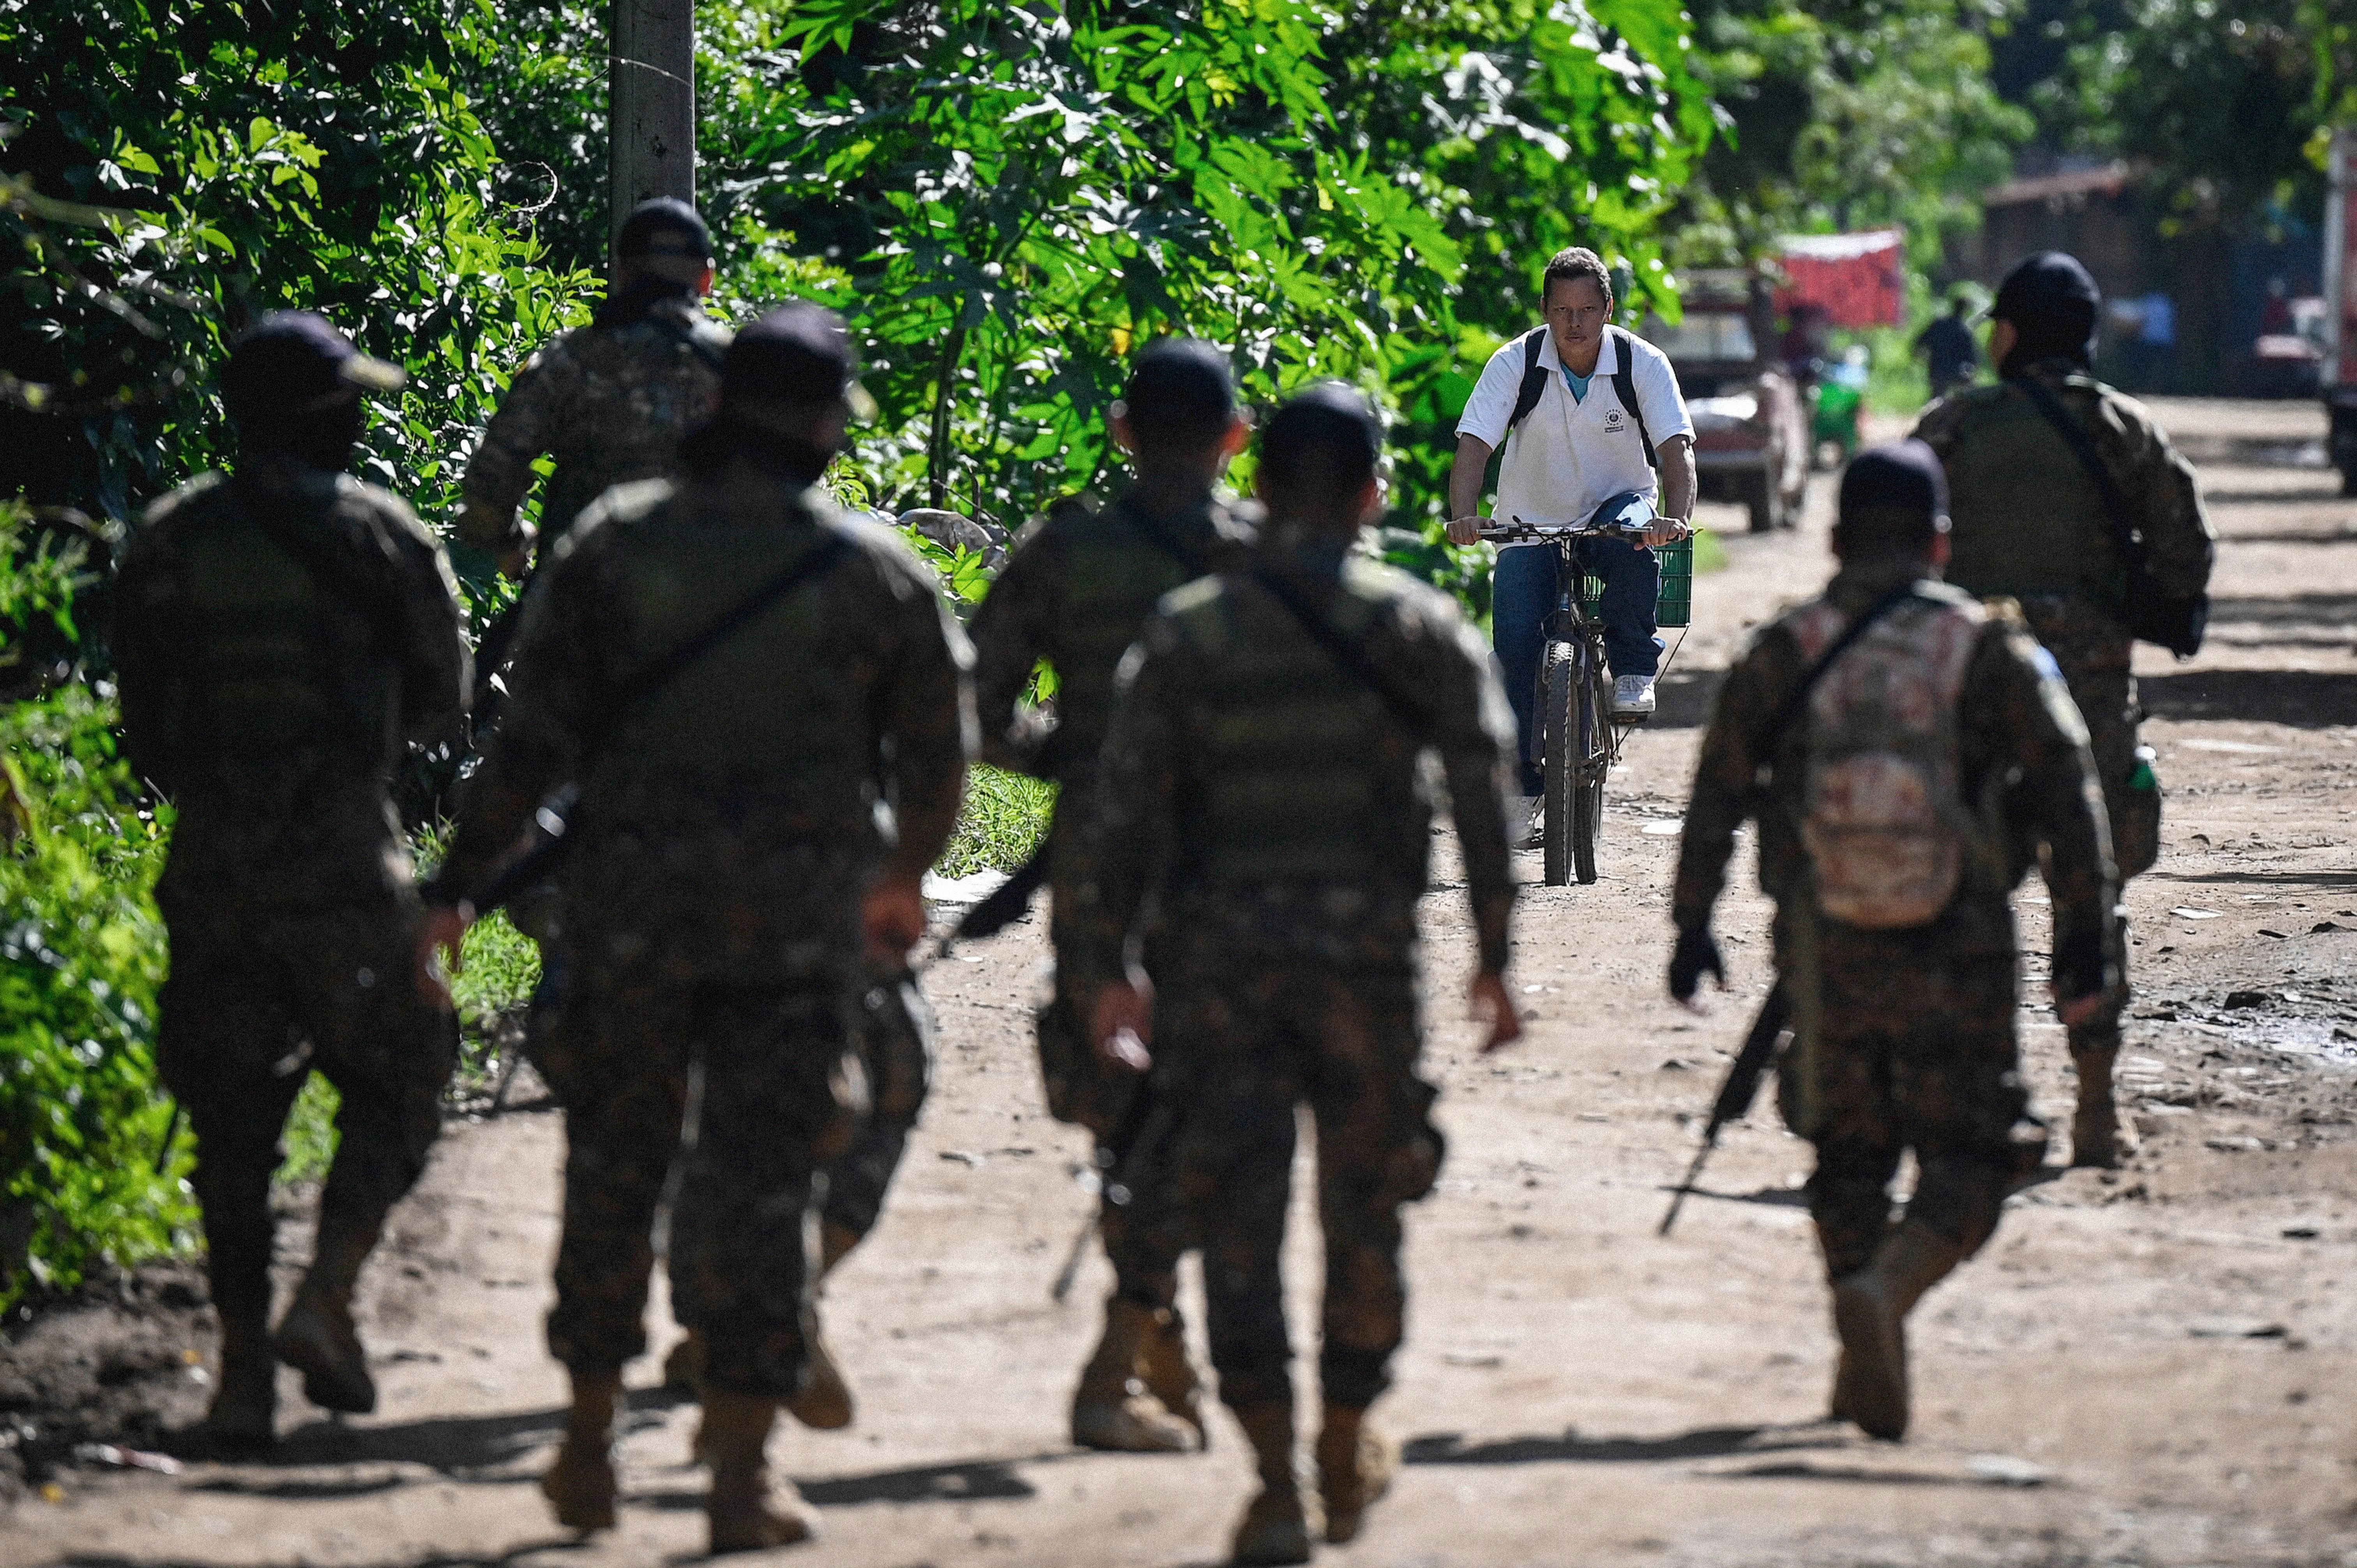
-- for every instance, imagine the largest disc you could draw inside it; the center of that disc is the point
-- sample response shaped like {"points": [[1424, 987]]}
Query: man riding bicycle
{"points": [[1586, 411]]}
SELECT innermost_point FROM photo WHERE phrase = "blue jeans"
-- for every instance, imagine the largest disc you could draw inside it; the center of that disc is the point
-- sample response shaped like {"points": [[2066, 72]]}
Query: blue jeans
{"points": [[1522, 597]]}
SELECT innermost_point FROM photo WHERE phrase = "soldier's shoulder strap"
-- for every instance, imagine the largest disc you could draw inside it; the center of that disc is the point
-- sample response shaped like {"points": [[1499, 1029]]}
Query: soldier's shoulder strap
{"points": [[1347, 651], [1152, 530], [340, 574], [1795, 700]]}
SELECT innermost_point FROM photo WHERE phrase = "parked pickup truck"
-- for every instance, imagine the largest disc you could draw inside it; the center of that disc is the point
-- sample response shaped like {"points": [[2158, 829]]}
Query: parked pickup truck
{"points": [[1752, 435]]}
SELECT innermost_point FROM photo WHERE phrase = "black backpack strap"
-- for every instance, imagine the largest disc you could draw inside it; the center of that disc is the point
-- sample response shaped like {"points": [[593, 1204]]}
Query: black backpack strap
{"points": [[340, 577], [1151, 529], [1624, 387], [2083, 447], [1790, 709], [1527, 395], [686, 336], [553, 821], [674, 663], [1345, 650]]}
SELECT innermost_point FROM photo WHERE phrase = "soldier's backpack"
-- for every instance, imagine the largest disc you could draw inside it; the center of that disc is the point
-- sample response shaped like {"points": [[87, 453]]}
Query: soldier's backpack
{"points": [[1883, 813]]}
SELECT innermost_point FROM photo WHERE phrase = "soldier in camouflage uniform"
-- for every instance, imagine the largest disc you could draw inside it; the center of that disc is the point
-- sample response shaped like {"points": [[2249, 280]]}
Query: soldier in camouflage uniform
{"points": [[610, 401], [1903, 1036], [2029, 524], [1074, 594], [278, 635], [752, 827], [1261, 791]]}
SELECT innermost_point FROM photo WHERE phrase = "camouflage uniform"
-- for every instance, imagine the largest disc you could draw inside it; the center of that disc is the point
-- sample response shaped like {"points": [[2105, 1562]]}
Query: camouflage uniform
{"points": [[729, 828], [1905, 1039], [272, 705], [2028, 523], [1075, 594], [610, 403], [1274, 807]]}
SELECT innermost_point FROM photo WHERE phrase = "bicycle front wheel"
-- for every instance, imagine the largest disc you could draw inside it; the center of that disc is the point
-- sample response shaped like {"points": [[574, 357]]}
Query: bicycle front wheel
{"points": [[1592, 727], [1560, 684]]}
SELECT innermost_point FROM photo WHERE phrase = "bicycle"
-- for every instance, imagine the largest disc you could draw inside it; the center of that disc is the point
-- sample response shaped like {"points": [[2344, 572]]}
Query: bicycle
{"points": [[1576, 735]]}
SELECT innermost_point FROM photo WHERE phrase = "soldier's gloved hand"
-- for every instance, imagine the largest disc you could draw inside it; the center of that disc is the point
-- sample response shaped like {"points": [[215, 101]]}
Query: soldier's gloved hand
{"points": [[1695, 955]]}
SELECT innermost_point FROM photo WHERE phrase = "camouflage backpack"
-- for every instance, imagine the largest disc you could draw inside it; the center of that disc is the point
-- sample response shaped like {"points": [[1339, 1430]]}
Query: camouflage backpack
{"points": [[1883, 813]]}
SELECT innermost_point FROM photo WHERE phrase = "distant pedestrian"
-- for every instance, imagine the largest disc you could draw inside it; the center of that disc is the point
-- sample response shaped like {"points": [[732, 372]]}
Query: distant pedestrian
{"points": [[1948, 349], [1074, 594], [1260, 826], [756, 814], [1908, 754], [279, 633], [2033, 523]]}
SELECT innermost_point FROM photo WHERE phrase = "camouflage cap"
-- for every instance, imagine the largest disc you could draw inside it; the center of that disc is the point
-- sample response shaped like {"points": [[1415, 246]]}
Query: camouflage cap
{"points": [[663, 226], [796, 353], [293, 362]]}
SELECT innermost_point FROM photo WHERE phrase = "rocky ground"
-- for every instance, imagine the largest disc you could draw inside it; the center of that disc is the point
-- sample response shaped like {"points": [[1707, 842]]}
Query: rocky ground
{"points": [[2152, 1367]]}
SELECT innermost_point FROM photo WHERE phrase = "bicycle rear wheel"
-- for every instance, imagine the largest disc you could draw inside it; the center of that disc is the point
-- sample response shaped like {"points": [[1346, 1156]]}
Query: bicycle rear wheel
{"points": [[1559, 703], [1591, 728]]}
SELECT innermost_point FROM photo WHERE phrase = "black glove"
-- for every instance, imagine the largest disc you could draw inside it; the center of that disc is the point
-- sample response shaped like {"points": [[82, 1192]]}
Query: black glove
{"points": [[2081, 966], [1696, 956]]}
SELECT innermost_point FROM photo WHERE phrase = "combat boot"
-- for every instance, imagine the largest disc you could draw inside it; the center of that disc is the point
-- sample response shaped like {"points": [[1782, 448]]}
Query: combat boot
{"points": [[1168, 1372], [1276, 1528], [1108, 1412], [1871, 1310], [245, 1401], [1355, 1462], [824, 1401], [317, 1338], [580, 1485], [2095, 1136], [748, 1511], [825, 1404]]}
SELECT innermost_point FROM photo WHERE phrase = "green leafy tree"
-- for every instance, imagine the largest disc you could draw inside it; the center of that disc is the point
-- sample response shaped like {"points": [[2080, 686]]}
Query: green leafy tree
{"points": [[1862, 113]]}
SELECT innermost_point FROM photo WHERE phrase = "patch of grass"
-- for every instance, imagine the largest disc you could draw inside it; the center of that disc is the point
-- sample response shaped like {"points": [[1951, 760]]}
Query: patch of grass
{"points": [[1710, 552], [310, 1135], [999, 824]]}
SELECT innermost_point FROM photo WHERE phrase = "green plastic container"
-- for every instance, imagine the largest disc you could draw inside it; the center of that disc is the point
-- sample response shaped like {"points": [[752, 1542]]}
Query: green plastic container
{"points": [[1675, 606]]}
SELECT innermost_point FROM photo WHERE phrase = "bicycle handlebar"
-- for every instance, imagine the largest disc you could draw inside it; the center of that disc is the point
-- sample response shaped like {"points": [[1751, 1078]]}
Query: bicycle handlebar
{"points": [[1518, 529]]}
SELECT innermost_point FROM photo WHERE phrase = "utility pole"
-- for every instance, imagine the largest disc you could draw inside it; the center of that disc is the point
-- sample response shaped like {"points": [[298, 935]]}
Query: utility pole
{"points": [[650, 103]]}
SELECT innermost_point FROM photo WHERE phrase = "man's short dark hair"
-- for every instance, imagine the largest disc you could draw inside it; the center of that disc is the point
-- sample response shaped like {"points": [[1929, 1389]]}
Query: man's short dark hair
{"points": [[1576, 261], [1325, 441], [1180, 393]]}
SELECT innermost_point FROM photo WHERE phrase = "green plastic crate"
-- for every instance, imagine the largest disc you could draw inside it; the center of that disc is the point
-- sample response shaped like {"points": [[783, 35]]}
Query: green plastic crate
{"points": [[1675, 606]]}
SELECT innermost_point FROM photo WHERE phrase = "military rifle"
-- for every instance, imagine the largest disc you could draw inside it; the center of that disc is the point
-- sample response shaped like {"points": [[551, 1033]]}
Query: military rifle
{"points": [[1735, 1094]]}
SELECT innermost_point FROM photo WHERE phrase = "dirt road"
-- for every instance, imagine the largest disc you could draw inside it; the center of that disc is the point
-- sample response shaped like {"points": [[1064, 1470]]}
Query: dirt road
{"points": [[2155, 1368]]}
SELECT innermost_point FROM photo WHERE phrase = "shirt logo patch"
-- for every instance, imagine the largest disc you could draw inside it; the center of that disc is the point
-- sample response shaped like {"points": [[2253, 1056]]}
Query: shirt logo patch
{"points": [[1611, 421]]}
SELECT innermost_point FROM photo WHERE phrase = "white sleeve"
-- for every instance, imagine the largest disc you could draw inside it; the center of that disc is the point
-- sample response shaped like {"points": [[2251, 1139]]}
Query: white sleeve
{"points": [[1491, 406], [1657, 395]]}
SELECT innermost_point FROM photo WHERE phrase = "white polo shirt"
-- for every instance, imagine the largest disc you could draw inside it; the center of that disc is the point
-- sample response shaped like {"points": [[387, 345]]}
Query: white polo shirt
{"points": [[1570, 455]]}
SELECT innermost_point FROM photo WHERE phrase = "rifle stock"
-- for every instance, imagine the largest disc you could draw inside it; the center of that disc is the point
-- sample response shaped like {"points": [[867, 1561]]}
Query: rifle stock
{"points": [[1735, 1094]]}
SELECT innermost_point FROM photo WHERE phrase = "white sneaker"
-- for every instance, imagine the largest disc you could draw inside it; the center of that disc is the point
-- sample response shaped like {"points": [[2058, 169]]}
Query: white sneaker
{"points": [[1632, 697], [1526, 821]]}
